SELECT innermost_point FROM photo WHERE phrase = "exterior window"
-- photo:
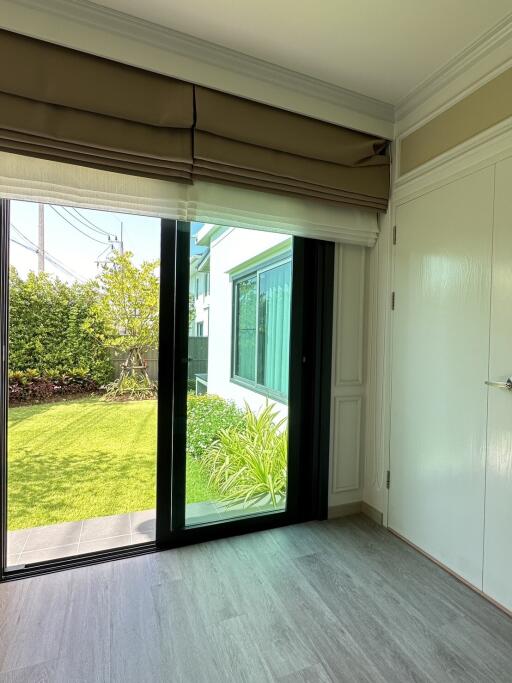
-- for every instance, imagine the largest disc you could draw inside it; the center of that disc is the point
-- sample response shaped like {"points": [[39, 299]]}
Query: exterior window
{"points": [[262, 328], [199, 329]]}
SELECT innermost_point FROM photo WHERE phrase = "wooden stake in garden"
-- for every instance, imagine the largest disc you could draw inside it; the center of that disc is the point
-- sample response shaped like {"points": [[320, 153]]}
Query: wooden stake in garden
{"points": [[134, 381]]}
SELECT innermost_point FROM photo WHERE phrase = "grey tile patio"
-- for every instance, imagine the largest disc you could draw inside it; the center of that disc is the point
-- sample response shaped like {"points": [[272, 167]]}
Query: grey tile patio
{"points": [[197, 513], [143, 538], [105, 527], [143, 522], [102, 533], [104, 543], [42, 554], [16, 541], [53, 535], [72, 538]]}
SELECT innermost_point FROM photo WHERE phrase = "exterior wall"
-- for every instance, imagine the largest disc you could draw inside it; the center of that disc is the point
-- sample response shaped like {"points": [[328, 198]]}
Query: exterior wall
{"points": [[199, 289], [231, 250]]}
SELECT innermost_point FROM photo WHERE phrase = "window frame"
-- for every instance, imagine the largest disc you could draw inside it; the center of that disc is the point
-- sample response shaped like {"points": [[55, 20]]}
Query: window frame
{"points": [[255, 271], [309, 401]]}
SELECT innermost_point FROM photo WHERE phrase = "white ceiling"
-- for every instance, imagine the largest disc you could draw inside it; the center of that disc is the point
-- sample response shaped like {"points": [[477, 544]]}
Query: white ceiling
{"points": [[380, 48]]}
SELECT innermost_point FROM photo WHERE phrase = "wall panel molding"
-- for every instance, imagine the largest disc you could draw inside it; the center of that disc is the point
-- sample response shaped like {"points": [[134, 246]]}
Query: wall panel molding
{"points": [[348, 377], [346, 472], [350, 316]]}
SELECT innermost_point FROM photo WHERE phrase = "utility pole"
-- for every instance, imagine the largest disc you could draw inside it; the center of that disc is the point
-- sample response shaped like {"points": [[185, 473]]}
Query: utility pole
{"points": [[40, 240], [121, 246]]}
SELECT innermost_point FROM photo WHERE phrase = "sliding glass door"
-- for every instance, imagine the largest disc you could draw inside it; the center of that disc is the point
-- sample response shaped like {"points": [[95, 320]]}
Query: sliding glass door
{"points": [[156, 375], [83, 327], [237, 373]]}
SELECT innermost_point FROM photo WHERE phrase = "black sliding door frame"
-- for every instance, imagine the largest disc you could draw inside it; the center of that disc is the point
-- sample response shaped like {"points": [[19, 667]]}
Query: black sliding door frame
{"points": [[308, 403], [4, 374]]}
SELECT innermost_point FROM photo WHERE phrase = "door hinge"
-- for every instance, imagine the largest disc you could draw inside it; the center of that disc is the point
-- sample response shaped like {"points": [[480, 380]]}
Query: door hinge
{"points": [[392, 301], [394, 234], [388, 479]]}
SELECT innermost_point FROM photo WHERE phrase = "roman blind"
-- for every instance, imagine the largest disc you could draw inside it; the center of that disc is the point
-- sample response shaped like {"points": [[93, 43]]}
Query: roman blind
{"points": [[41, 180], [66, 105], [253, 145]]}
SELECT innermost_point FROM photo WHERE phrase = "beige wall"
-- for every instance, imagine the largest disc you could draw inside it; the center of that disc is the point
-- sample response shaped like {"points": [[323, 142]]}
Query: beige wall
{"points": [[485, 107]]}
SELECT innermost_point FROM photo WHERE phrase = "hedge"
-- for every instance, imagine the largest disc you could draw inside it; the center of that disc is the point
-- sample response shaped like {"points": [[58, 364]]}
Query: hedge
{"points": [[48, 335]]}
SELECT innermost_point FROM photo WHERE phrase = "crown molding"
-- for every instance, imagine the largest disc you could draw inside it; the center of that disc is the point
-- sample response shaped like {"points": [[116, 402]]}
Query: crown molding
{"points": [[482, 60], [135, 31], [134, 41]]}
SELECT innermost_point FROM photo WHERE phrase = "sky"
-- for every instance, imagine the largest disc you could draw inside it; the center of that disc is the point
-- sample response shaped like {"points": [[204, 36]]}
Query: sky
{"points": [[76, 239]]}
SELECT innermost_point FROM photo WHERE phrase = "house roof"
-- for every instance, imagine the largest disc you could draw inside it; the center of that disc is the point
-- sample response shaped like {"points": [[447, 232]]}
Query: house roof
{"points": [[208, 232]]}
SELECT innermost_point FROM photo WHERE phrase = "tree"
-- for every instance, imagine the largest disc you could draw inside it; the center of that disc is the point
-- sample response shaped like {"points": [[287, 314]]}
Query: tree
{"points": [[127, 312]]}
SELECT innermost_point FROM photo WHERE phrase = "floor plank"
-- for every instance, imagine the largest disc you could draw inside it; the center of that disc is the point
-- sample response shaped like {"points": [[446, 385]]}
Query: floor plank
{"points": [[342, 600]]}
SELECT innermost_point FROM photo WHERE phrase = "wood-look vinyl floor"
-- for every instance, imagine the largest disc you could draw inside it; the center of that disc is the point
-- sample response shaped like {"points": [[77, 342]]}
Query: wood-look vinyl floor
{"points": [[342, 600]]}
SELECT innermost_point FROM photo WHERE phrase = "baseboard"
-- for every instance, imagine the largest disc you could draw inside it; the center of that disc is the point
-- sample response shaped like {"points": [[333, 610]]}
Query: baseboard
{"points": [[372, 513], [497, 604], [344, 510]]}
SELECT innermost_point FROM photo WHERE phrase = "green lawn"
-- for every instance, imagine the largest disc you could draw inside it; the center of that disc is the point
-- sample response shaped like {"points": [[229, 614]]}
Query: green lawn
{"points": [[85, 458]]}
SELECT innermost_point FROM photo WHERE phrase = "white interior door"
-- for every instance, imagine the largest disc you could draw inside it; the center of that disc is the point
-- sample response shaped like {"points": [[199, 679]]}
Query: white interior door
{"points": [[498, 500], [440, 363]]}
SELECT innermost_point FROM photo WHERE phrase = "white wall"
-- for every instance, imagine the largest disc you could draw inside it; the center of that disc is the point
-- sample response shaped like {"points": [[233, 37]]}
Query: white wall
{"points": [[232, 249], [199, 290]]}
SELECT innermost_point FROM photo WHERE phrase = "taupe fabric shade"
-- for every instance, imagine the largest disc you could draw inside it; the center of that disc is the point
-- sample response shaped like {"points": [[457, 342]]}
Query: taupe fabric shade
{"points": [[66, 105], [254, 145]]}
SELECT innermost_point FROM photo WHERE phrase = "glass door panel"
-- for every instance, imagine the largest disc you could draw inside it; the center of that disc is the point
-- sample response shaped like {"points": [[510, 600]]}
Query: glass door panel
{"points": [[240, 284], [83, 368]]}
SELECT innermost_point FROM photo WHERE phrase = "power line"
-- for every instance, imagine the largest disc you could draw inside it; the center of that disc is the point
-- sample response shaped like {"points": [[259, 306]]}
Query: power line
{"points": [[25, 246], [75, 227], [49, 258], [82, 215], [21, 234], [32, 246], [85, 221]]}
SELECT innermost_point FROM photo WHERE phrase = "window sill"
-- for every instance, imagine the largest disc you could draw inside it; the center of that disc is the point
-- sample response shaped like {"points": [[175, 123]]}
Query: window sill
{"points": [[261, 390]]}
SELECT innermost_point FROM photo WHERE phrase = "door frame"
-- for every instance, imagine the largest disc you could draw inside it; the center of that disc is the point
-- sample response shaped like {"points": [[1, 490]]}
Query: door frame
{"points": [[309, 402]]}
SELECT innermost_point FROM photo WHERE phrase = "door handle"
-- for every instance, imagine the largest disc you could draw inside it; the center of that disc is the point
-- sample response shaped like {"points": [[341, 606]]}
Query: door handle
{"points": [[502, 385]]}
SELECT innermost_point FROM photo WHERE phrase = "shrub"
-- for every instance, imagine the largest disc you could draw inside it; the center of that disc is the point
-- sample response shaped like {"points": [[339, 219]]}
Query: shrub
{"points": [[248, 462], [30, 386], [207, 415], [47, 328]]}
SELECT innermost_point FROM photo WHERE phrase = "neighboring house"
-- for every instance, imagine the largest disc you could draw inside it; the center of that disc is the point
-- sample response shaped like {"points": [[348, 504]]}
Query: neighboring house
{"points": [[200, 292], [249, 314]]}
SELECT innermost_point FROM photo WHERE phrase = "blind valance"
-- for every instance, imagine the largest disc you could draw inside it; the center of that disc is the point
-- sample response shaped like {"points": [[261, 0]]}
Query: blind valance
{"points": [[64, 105], [67, 105], [254, 145]]}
